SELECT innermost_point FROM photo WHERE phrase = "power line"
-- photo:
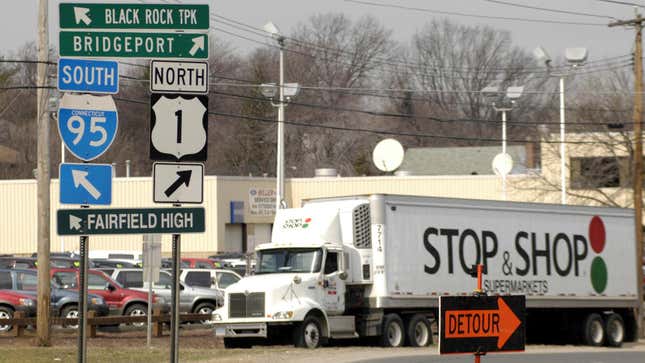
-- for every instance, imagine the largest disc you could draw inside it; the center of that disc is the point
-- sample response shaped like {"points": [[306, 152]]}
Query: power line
{"points": [[256, 31], [578, 13], [621, 3], [454, 13], [373, 131]]}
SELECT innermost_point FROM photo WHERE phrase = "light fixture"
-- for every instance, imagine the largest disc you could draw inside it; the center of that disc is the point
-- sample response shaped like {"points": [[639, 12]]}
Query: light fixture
{"points": [[291, 89], [576, 56], [514, 92], [268, 90]]}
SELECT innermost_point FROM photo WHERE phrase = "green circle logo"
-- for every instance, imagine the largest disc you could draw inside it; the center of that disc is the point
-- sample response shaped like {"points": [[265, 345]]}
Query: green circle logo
{"points": [[598, 275]]}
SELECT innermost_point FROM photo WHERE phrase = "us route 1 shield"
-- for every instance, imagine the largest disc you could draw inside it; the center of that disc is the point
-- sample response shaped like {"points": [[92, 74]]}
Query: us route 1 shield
{"points": [[178, 183], [87, 124], [85, 184], [81, 222], [178, 127], [88, 75], [485, 324]]}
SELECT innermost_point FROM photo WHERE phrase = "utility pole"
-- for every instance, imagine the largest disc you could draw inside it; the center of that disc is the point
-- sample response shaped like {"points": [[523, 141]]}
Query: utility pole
{"points": [[43, 178], [637, 23]]}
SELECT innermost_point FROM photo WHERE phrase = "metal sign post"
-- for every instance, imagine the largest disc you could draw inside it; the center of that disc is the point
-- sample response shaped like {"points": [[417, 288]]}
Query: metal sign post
{"points": [[174, 319], [82, 301]]}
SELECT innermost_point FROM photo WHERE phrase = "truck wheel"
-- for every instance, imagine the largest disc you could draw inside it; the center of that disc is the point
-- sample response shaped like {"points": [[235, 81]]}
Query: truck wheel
{"points": [[70, 311], [5, 313], [614, 330], [309, 333], [233, 343], [392, 333], [419, 333], [205, 308], [136, 310], [593, 330]]}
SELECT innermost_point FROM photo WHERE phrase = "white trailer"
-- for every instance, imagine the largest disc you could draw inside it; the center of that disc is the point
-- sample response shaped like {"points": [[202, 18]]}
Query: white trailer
{"points": [[375, 266]]}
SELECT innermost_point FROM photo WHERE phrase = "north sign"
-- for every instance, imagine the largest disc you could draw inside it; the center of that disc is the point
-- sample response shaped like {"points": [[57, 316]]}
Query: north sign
{"points": [[133, 16], [87, 124], [178, 127], [86, 75], [79, 222], [132, 45], [85, 184], [178, 183], [484, 324], [178, 77]]}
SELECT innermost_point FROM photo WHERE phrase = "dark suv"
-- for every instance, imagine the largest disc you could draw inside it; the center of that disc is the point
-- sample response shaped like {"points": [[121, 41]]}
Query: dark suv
{"points": [[64, 303]]}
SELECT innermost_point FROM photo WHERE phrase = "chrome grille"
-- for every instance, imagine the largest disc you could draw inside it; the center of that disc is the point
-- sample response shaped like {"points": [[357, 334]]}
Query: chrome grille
{"points": [[246, 306]]}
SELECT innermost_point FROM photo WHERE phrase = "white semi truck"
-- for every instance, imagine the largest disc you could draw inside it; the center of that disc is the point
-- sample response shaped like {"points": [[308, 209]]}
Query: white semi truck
{"points": [[375, 266]]}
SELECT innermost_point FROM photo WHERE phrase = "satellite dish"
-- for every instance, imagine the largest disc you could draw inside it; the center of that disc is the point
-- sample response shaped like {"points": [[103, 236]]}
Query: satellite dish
{"points": [[502, 164], [388, 155]]}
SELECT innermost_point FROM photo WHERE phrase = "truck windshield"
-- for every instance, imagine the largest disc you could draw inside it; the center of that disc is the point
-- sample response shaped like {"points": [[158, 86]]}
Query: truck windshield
{"points": [[289, 260]]}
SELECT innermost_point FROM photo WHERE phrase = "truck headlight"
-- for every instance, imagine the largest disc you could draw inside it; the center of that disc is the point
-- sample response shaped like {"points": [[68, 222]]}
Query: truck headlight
{"points": [[26, 302], [97, 301], [216, 317], [283, 315]]}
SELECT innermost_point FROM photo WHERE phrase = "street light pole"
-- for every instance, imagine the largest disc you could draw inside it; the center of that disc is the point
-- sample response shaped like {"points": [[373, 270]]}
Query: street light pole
{"points": [[504, 151], [279, 200], [563, 183]]}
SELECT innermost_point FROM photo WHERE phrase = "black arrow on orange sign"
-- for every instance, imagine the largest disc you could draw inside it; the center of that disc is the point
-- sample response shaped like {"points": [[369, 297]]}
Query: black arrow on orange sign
{"points": [[500, 323]]}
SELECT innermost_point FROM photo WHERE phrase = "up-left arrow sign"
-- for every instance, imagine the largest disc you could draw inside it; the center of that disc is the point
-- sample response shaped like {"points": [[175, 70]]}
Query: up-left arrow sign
{"points": [[80, 15], [86, 184]]}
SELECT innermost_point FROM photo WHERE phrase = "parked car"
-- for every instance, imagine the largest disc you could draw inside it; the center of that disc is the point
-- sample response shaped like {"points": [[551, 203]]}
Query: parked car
{"points": [[107, 265], [121, 301], [218, 279], [203, 263], [63, 303], [124, 255], [12, 301], [192, 299], [32, 262], [18, 262]]}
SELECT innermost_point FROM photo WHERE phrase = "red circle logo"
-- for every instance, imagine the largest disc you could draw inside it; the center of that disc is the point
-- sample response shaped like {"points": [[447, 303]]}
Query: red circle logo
{"points": [[597, 234]]}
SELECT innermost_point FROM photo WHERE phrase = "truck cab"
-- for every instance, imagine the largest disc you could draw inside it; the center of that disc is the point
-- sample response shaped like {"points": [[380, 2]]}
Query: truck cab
{"points": [[299, 284]]}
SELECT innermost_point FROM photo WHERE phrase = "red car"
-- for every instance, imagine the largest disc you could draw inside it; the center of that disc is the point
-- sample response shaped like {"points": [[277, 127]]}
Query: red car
{"points": [[197, 263], [120, 300], [10, 302]]}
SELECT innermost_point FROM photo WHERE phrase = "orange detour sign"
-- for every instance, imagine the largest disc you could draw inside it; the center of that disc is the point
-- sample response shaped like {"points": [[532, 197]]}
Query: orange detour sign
{"points": [[470, 324]]}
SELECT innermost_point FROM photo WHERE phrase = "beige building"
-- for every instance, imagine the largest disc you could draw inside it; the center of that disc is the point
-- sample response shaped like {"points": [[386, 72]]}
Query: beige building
{"points": [[239, 210]]}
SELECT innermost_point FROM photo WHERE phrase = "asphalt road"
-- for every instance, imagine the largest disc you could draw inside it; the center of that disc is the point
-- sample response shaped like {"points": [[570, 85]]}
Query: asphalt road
{"points": [[573, 357]]}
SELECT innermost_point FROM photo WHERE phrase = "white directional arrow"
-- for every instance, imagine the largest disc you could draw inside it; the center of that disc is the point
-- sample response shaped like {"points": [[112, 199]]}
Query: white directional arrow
{"points": [[80, 178], [74, 222], [198, 44], [80, 14]]}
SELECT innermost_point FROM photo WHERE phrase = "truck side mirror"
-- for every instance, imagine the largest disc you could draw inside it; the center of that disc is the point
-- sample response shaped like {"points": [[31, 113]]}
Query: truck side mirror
{"points": [[342, 275]]}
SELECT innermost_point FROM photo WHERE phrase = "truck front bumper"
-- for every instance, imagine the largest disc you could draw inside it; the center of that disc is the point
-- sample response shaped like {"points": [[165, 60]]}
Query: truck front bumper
{"points": [[241, 330]]}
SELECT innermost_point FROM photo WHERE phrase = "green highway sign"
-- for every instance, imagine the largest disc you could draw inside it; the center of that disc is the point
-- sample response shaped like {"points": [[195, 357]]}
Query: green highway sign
{"points": [[132, 45], [86, 221], [133, 16]]}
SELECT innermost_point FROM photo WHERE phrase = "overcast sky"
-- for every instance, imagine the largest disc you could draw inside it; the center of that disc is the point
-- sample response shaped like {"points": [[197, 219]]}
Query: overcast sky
{"points": [[18, 20]]}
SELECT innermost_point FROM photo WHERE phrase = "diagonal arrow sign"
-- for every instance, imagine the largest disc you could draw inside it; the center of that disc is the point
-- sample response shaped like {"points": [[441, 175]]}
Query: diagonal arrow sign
{"points": [[198, 44], [500, 323], [183, 178], [80, 178], [80, 15]]}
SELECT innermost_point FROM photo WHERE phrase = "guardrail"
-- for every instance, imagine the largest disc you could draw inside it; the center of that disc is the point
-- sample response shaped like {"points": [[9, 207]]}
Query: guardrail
{"points": [[20, 322]]}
